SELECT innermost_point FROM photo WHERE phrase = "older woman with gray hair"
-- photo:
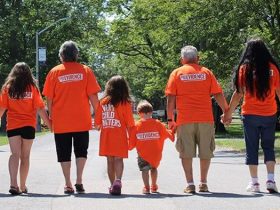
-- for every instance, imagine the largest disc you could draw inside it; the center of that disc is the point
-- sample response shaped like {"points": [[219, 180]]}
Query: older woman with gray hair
{"points": [[189, 90], [69, 88]]}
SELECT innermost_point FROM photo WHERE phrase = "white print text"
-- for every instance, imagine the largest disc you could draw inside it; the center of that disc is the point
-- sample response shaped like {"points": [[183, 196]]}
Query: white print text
{"points": [[108, 116], [148, 136], [193, 77], [70, 78]]}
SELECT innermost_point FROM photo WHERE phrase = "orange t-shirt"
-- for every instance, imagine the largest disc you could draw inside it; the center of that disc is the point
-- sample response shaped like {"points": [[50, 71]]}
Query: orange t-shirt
{"points": [[69, 85], [21, 112], [254, 106], [114, 122], [193, 85], [148, 137]]}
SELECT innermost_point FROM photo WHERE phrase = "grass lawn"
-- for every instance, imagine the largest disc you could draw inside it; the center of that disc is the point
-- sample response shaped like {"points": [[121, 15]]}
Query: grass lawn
{"points": [[233, 139], [4, 138]]}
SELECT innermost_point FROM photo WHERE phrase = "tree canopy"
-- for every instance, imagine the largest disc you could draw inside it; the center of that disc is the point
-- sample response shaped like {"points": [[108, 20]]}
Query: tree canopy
{"points": [[139, 39]]}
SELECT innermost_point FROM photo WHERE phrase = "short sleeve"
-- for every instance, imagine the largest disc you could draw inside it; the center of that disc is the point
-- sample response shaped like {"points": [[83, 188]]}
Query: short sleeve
{"points": [[98, 115], [128, 115], [166, 133], [215, 86], [49, 85], [276, 77], [92, 84], [170, 88], [132, 139], [37, 99], [4, 99]]}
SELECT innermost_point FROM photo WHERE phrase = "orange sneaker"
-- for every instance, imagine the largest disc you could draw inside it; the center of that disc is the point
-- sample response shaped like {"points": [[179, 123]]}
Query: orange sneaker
{"points": [[154, 188], [146, 190]]}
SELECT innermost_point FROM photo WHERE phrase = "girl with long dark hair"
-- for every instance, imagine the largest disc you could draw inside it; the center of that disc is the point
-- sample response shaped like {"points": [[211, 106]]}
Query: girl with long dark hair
{"points": [[114, 117], [257, 82], [21, 98]]}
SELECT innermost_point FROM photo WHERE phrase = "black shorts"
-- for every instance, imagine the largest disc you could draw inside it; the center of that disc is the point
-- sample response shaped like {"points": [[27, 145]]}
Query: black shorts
{"points": [[64, 142], [26, 132]]}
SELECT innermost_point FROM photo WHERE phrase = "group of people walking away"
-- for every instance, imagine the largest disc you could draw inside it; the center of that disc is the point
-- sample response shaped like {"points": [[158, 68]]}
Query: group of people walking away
{"points": [[71, 90]]}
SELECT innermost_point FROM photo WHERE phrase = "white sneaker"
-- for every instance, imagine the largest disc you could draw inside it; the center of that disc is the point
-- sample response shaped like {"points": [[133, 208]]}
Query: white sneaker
{"points": [[271, 186], [253, 187]]}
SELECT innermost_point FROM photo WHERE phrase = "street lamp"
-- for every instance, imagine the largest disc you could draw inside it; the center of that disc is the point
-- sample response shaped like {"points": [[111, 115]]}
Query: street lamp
{"points": [[37, 61], [37, 46]]}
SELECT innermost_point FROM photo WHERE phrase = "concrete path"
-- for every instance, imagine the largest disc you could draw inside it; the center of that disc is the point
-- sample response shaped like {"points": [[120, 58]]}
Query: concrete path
{"points": [[228, 178]]}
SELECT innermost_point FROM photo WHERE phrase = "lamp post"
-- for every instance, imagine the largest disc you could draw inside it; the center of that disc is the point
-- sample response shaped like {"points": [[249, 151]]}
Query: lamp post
{"points": [[37, 60]]}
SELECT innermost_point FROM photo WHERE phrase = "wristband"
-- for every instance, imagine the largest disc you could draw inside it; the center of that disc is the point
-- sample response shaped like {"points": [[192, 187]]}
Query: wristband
{"points": [[169, 120]]}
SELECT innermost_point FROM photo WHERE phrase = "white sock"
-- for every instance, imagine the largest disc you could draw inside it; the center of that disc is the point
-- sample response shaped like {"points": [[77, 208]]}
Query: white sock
{"points": [[190, 183], [255, 180], [270, 177]]}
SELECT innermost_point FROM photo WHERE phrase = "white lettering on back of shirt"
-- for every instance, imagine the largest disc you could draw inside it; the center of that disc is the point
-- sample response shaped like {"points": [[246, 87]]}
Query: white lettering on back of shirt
{"points": [[148, 136], [193, 77], [70, 78]]}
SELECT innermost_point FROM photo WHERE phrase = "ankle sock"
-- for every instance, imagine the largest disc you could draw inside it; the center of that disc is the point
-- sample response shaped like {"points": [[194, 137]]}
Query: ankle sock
{"points": [[254, 180], [270, 177]]}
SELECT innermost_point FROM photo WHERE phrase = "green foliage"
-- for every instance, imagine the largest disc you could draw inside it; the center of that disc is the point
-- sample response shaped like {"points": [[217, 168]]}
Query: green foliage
{"points": [[139, 39]]}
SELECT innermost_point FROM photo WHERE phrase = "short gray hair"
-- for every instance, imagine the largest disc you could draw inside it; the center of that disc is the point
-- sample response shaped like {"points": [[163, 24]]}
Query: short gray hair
{"points": [[189, 53], [69, 51]]}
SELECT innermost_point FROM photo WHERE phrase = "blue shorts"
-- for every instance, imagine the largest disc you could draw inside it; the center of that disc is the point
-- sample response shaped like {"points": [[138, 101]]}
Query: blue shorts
{"points": [[258, 128]]}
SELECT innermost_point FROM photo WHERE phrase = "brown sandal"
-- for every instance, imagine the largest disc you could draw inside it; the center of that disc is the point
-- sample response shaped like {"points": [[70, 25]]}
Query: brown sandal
{"points": [[68, 190]]}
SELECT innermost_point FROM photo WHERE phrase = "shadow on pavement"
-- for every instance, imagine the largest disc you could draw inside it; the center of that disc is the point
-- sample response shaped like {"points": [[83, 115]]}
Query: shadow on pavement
{"points": [[229, 195], [39, 195], [150, 196]]}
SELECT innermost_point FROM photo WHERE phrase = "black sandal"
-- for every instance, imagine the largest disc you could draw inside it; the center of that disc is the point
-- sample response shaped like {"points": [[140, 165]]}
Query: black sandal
{"points": [[68, 190], [25, 190], [14, 190], [80, 188]]}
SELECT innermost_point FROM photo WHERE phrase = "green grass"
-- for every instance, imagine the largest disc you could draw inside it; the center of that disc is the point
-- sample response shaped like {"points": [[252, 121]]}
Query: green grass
{"points": [[4, 138], [233, 139]]}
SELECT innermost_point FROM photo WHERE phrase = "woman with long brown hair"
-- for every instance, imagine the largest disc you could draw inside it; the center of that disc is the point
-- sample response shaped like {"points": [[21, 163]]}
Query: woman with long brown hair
{"points": [[21, 98]]}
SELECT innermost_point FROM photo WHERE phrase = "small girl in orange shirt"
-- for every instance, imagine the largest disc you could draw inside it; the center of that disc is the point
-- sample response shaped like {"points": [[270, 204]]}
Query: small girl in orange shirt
{"points": [[114, 117]]}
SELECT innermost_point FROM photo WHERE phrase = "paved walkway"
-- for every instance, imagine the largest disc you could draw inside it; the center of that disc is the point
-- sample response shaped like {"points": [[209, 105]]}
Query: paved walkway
{"points": [[228, 178]]}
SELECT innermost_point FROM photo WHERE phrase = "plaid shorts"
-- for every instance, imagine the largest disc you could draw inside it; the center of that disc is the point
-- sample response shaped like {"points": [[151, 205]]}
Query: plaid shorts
{"points": [[143, 164]]}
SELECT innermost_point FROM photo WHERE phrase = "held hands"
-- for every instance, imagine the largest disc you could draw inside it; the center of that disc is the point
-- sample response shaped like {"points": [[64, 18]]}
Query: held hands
{"points": [[172, 126], [226, 118]]}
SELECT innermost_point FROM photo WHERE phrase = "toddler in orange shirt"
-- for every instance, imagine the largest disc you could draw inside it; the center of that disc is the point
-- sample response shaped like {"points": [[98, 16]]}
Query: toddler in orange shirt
{"points": [[148, 137]]}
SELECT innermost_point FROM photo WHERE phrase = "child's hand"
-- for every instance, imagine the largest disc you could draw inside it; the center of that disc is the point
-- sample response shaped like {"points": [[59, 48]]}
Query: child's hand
{"points": [[96, 127]]}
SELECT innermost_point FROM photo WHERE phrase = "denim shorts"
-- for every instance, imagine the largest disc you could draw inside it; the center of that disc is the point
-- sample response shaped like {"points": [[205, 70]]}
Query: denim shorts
{"points": [[259, 129]]}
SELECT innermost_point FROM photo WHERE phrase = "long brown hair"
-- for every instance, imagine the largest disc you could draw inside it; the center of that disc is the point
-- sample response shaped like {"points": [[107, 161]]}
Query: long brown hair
{"points": [[19, 81], [117, 90]]}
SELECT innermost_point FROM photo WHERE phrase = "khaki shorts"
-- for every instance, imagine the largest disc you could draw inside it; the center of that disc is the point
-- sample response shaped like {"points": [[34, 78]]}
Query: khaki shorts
{"points": [[189, 136]]}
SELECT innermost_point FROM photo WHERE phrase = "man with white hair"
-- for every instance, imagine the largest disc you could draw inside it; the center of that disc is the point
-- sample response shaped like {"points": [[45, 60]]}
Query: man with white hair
{"points": [[189, 90]]}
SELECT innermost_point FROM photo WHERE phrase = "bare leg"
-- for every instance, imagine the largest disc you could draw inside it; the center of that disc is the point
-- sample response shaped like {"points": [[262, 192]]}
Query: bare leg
{"points": [[66, 167], [145, 177], [270, 165], [204, 168], [187, 166], [15, 147], [24, 161], [111, 169], [253, 171], [154, 175], [119, 167], [80, 163]]}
